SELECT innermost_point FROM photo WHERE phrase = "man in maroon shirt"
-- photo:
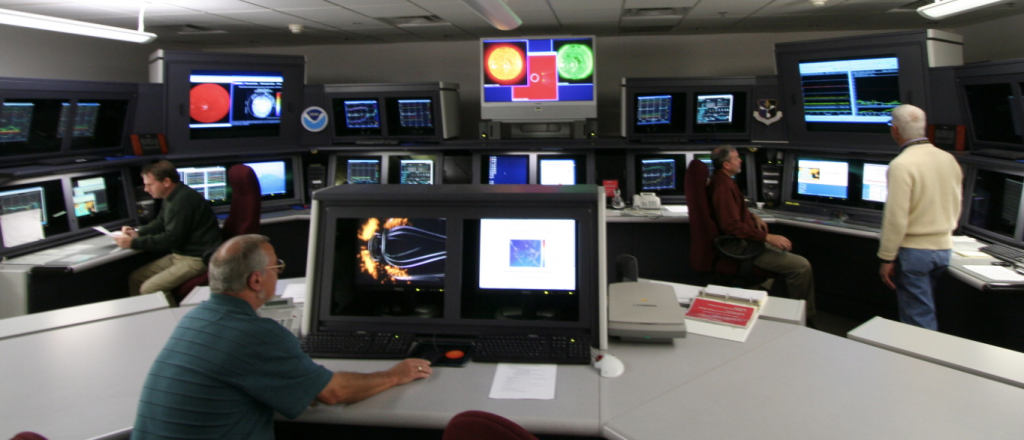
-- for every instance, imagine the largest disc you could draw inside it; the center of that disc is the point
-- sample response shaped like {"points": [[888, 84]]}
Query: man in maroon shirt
{"points": [[733, 218]]}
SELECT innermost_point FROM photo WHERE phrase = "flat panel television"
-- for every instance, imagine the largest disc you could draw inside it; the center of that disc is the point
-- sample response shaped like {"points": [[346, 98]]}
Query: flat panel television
{"points": [[234, 104], [538, 79], [850, 95]]}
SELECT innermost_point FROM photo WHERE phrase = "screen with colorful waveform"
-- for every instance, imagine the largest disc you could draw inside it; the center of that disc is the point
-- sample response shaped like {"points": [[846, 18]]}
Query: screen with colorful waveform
{"points": [[850, 91], [531, 70]]}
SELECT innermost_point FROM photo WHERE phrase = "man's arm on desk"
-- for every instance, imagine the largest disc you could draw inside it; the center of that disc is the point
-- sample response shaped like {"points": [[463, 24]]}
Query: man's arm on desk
{"points": [[354, 387]]}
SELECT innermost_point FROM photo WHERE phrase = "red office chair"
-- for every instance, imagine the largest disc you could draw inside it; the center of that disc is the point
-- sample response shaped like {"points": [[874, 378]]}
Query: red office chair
{"points": [[473, 425], [707, 254], [27, 435], [243, 218]]}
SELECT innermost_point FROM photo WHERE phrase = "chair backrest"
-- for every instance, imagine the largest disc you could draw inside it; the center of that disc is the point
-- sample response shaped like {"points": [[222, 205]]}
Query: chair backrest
{"points": [[703, 229], [246, 201], [474, 425]]}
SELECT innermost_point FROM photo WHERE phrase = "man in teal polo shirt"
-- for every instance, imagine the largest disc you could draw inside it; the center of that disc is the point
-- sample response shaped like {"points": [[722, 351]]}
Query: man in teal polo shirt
{"points": [[225, 371], [186, 227]]}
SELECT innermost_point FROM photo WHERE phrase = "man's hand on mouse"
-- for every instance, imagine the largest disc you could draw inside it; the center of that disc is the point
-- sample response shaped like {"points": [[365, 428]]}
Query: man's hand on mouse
{"points": [[411, 369]]}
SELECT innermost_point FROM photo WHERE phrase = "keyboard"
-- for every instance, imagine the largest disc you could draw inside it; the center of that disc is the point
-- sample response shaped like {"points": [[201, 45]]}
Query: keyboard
{"points": [[1000, 154], [540, 349], [358, 345], [1004, 252]]}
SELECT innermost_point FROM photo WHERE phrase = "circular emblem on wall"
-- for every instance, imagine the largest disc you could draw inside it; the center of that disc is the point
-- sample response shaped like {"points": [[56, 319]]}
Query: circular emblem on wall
{"points": [[314, 119]]}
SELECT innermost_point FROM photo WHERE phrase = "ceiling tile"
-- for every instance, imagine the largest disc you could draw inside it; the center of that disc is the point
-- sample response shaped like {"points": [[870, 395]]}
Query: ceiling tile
{"points": [[640, 4], [132, 7], [71, 11], [447, 8], [336, 17], [733, 9], [348, 3], [199, 19], [704, 25], [215, 6], [7, 4], [565, 5], [406, 10], [291, 4], [519, 6], [608, 16]]}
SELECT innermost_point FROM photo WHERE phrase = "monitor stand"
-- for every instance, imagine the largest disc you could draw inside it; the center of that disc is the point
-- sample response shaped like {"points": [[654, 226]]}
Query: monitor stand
{"points": [[405, 305], [527, 311]]}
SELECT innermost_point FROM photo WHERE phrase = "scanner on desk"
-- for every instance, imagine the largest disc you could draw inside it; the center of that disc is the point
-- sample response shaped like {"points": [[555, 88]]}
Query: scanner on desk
{"points": [[644, 312]]}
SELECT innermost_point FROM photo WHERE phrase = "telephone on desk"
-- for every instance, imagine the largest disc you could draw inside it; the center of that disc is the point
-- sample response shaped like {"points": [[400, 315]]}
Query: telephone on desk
{"points": [[646, 201]]}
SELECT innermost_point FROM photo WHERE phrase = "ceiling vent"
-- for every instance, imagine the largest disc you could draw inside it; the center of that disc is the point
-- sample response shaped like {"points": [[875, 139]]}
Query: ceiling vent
{"points": [[419, 20], [648, 17]]}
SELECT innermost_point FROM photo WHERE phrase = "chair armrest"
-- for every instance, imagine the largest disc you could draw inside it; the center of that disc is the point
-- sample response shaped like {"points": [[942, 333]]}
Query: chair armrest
{"points": [[752, 250]]}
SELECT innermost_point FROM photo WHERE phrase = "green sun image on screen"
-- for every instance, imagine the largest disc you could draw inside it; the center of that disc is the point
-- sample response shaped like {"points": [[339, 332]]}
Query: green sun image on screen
{"points": [[575, 61]]}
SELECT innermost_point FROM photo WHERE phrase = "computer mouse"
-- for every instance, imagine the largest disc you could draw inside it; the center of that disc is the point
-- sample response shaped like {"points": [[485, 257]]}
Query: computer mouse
{"points": [[609, 365]]}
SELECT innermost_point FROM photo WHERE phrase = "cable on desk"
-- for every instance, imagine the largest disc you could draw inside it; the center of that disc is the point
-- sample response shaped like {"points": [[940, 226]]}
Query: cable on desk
{"points": [[637, 212]]}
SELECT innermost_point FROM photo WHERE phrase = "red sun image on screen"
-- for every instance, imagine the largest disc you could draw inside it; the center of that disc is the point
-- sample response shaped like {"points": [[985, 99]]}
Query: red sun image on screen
{"points": [[208, 103], [542, 82], [505, 64]]}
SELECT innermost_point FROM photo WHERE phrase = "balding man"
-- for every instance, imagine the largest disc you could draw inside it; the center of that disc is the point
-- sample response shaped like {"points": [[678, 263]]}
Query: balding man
{"points": [[921, 213], [225, 371]]}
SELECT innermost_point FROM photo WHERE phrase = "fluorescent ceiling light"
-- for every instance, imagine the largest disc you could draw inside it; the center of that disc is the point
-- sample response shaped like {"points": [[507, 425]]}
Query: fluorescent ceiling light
{"points": [[948, 8], [47, 23], [496, 12]]}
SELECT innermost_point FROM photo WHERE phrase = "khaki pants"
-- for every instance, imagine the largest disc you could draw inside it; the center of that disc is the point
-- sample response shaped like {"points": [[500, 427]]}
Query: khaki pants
{"points": [[799, 277], [164, 275]]}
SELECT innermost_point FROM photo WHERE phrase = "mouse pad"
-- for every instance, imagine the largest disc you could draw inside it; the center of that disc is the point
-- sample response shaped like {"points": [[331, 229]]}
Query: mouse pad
{"points": [[443, 354]]}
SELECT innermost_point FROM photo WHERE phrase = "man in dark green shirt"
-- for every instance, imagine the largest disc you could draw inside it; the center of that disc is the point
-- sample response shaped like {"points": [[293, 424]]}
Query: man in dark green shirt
{"points": [[185, 227]]}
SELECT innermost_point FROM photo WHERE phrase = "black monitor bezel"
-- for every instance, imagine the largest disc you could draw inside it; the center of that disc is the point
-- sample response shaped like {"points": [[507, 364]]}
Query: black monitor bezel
{"points": [[1016, 83], [867, 210], [334, 166], [297, 190], [689, 93], [385, 123], [970, 178]]}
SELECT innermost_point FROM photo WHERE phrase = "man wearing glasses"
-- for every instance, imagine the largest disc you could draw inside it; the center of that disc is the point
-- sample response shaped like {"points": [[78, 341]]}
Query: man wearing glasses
{"points": [[921, 212], [225, 371]]}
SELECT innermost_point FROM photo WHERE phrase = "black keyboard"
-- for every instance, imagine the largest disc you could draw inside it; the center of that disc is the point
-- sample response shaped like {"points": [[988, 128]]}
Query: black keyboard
{"points": [[533, 349], [1004, 252], [1000, 154], [358, 345]]}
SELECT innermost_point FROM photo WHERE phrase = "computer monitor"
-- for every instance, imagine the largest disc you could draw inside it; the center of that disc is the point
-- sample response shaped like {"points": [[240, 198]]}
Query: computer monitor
{"points": [[234, 104], [823, 178], [658, 174], [31, 212], [994, 204], [85, 119], [99, 199], [31, 126], [719, 113], [851, 95], [875, 182], [362, 171], [412, 116], [837, 185], [507, 169], [528, 254], [211, 181], [273, 177], [359, 117], [416, 171], [558, 170], [659, 113], [994, 113]]}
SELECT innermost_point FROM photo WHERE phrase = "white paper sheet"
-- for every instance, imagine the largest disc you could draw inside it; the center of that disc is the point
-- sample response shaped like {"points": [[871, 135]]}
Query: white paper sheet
{"points": [[727, 332], [972, 254], [295, 291], [964, 239], [682, 209], [21, 227], [736, 293], [106, 232], [524, 381], [996, 273]]}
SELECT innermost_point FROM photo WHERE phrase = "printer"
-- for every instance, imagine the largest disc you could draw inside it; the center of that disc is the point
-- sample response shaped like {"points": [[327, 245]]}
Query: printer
{"points": [[644, 312]]}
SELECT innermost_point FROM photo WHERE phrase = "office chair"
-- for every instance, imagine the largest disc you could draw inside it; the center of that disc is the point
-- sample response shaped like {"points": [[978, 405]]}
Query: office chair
{"points": [[243, 218], [708, 247], [472, 425]]}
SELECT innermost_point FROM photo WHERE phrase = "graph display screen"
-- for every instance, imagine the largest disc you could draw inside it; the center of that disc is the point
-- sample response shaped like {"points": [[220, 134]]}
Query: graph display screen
{"points": [[85, 119], [503, 170], [210, 181], [874, 186], [410, 116], [362, 114], [714, 109], [31, 126], [32, 212], [654, 110], [538, 254], [363, 171], [532, 70], [417, 172], [234, 104], [850, 94], [657, 174], [823, 178]]}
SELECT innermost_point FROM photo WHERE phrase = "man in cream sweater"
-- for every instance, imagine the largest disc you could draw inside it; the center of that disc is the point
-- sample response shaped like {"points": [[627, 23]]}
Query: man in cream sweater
{"points": [[921, 213]]}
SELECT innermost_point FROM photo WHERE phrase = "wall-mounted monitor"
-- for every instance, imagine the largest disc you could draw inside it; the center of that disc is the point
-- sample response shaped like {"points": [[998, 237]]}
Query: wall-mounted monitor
{"points": [[403, 112], [39, 212], [824, 184], [995, 113], [63, 120], [538, 79], [230, 103], [838, 94], [684, 109]]}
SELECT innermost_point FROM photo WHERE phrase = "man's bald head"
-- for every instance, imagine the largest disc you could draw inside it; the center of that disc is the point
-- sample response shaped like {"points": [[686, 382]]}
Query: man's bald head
{"points": [[910, 121], [235, 260]]}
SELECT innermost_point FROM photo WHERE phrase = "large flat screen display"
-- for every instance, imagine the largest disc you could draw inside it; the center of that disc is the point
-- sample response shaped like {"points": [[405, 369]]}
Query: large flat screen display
{"points": [[226, 104], [855, 95]]}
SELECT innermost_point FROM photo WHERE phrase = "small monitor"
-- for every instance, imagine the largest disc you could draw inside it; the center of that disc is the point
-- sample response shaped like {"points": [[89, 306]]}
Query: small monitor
{"points": [[994, 115], [823, 178], [85, 119], [657, 174], [715, 109], [532, 254], [654, 110], [508, 170], [31, 212], [363, 171], [874, 185], [850, 95], [273, 177], [234, 104], [556, 171], [210, 181], [995, 202], [417, 172], [99, 199], [362, 114], [31, 126], [659, 113], [410, 116]]}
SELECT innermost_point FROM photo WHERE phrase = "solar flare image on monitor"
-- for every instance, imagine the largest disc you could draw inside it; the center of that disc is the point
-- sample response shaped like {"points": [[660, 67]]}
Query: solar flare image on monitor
{"points": [[575, 61], [506, 63]]}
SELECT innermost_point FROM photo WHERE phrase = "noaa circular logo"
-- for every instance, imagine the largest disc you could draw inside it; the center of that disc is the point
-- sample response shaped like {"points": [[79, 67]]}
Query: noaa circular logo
{"points": [[314, 119]]}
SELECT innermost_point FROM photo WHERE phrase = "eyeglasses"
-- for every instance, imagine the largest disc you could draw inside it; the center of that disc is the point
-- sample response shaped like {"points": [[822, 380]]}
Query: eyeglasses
{"points": [[279, 267]]}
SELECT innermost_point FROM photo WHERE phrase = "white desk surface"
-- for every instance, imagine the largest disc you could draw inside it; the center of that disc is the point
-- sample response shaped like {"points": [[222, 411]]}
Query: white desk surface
{"points": [[70, 316], [995, 363], [80, 381], [807, 384]]}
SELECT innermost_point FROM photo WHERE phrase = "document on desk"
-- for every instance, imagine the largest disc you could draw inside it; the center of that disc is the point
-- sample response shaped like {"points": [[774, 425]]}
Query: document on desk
{"points": [[21, 227], [524, 381], [681, 209], [995, 273]]}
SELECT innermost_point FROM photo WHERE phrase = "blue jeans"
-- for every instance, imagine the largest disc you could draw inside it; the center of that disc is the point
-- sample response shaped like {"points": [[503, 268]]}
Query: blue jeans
{"points": [[919, 272]]}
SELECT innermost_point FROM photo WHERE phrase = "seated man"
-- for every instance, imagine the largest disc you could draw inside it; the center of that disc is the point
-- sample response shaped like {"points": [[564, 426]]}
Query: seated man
{"points": [[186, 227], [225, 371], [733, 218]]}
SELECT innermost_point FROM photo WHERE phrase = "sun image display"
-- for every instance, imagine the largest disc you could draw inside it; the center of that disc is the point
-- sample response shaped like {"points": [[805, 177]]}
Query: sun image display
{"points": [[551, 69], [401, 251], [233, 99]]}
